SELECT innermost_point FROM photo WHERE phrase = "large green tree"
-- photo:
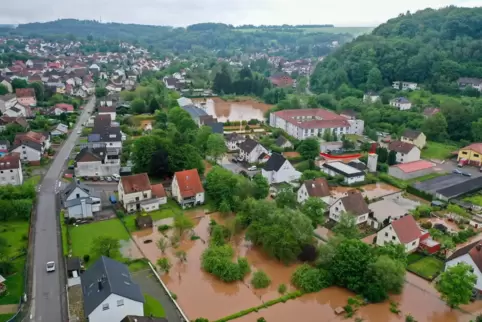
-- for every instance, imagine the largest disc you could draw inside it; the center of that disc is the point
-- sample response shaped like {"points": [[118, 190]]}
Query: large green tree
{"points": [[286, 198], [221, 186], [456, 284], [314, 208], [138, 106], [435, 128], [215, 146], [309, 148], [347, 226], [260, 187]]}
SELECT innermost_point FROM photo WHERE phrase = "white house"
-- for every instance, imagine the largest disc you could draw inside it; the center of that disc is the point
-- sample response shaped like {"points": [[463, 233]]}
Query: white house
{"points": [[403, 231], [80, 201], [282, 142], [232, 141], [187, 188], [251, 151], [401, 103], [406, 152], [110, 110], [110, 137], [136, 193], [17, 110], [183, 101], [353, 204], [60, 129], [357, 126], [109, 293], [371, 97], [404, 86], [316, 188], [31, 146], [470, 255], [475, 83], [350, 174], [7, 101], [97, 162], [278, 170], [11, 170]]}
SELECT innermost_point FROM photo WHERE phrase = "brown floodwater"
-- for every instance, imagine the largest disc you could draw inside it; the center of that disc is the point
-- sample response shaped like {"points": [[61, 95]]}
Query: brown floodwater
{"points": [[243, 110], [372, 191], [202, 295]]}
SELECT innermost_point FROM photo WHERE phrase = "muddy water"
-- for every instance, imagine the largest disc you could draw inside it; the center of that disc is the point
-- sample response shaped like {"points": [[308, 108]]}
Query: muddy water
{"points": [[372, 191], [244, 110]]}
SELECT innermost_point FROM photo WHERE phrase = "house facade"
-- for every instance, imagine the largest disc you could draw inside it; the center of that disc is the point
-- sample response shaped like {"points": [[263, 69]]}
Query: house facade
{"points": [[401, 103], [26, 96], [277, 169], [353, 204], [316, 188], [135, 193], [11, 170], [472, 256], [31, 146], [475, 83], [406, 152], [250, 151], [405, 86], [371, 97], [403, 231], [233, 140], [414, 137], [350, 174], [472, 153], [187, 188], [80, 201], [97, 162]]}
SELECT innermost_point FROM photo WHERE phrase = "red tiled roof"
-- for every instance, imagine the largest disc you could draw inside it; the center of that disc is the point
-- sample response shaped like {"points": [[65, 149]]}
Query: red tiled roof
{"points": [[158, 190], [476, 147], [401, 147], [135, 183], [10, 161], [415, 166], [65, 107], [30, 136], [106, 109], [314, 118], [317, 188], [406, 229], [189, 183], [25, 92]]}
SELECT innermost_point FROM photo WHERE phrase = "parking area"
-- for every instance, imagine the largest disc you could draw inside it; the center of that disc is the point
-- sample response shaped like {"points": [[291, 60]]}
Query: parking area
{"points": [[449, 165], [236, 167], [435, 184], [393, 206]]}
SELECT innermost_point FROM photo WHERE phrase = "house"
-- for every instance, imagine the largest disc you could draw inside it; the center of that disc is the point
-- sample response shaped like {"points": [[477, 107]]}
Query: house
{"points": [[403, 231], [110, 110], [187, 188], [411, 170], [60, 129], [371, 97], [6, 120], [109, 293], [135, 318], [350, 174], [26, 96], [97, 162], [404, 86], [80, 201], [7, 101], [136, 193], [305, 123], [277, 169], [11, 170], [110, 137], [18, 110], [430, 111], [401, 103], [406, 152], [281, 80], [250, 151], [316, 188], [414, 137], [353, 204], [283, 143], [233, 140], [4, 147], [62, 108], [357, 126], [470, 255], [31, 146], [472, 154], [183, 101], [475, 83]]}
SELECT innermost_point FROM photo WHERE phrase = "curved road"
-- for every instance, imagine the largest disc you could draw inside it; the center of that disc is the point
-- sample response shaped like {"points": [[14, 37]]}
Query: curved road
{"points": [[48, 290]]}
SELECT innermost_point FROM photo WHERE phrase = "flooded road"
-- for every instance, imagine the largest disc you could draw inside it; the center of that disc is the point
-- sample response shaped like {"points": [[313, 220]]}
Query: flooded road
{"points": [[243, 110]]}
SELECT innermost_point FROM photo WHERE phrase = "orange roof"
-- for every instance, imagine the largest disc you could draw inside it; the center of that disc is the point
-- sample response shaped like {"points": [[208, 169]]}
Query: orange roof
{"points": [[31, 136], [476, 147], [406, 229], [189, 183], [415, 166], [25, 92], [136, 183], [158, 190]]}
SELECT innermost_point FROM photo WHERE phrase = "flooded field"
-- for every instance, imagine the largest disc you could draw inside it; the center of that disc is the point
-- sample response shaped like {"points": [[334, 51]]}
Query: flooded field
{"points": [[202, 295], [244, 110], [372, 191]]}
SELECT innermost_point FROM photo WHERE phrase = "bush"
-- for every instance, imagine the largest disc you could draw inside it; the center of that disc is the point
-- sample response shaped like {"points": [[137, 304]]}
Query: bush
{"points": [[282, 289], [86, 258], [419, 193], [174, 296], [260, 280], [426, 225], [217, 260], [195, 237], [309, 279], [162, 228]]}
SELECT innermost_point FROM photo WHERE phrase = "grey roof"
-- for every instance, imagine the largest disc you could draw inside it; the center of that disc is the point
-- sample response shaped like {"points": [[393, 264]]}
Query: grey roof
{"points": [[194, 111], [73, 263], [94, 137], [411, 134], [78, 201], [462, 188], [5, 142], [33, 145], [77, 184], [401, 100], [248, 145], [105, 277], [281, 140], [217, 127], [275, 162]]}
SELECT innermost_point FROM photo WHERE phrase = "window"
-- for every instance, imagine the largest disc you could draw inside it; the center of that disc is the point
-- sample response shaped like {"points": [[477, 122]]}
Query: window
{"points": [[393, 237], [77, 196], [336, 208], [413, 244], [105, 306], [476, 155], [11, 171], [120, 302], [386, 234], [464, 153]]}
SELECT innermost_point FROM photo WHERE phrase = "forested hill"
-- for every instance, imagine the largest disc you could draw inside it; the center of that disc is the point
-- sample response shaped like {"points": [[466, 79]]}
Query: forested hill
{"points": [[223, 39], [430, 47]]}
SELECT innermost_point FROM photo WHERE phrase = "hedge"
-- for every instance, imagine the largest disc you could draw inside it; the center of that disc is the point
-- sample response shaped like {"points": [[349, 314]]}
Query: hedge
{"points": [[391, 180], [283, 299], [422, 194]]}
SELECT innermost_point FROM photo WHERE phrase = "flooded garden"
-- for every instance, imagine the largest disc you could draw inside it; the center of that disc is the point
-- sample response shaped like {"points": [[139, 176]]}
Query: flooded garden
{"points": [[202, 295], [242, 110]]}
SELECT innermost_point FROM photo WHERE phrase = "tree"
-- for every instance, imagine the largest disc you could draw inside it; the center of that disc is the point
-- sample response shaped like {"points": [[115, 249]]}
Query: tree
{"points": [[221, 186], [286, 198], [477, 130], [314, 208], [392, 157], [393, 251], [260, 187], [164, 264], [202, 138], [138, 106], [435, 128], [374, 79], [260, 280], [143, 150], [153, 105], [3, 89], [106, 246], [309, 279], [327, 135], [215, 146], [39, 90], [182, 223], [309, 149], [162, 245], [456, 284], [19, 83], [389, 273], [347, 226], [101, 92]]}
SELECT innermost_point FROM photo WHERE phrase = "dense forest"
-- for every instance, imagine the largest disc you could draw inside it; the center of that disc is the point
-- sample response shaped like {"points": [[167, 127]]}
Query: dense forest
{"points": [[430, 47], [223, 39]]}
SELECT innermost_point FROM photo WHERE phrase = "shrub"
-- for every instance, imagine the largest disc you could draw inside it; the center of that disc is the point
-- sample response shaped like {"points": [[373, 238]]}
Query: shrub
{"points": [[348, 311], [410, 318], [309, 279], [261, 320], [86, 258], [217, 260], [260, 280], [282, 288], [162, 228], [195, 237], [426, 225], [174, 296]]}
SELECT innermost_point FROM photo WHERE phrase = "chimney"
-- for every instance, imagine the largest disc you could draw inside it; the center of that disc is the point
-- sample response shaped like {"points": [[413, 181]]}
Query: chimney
{"points": [[478, 247]]}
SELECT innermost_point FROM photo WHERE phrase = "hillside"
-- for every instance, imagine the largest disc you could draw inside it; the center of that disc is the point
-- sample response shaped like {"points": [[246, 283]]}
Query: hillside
{"points": [[430, 47]]}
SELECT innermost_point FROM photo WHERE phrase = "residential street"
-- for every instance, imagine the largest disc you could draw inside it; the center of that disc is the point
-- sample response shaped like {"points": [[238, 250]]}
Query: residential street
{"points": [[48, 289]]}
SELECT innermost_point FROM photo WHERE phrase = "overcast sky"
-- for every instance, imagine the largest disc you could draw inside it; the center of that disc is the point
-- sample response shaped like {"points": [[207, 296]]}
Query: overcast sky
{"points": [[236, 12]]}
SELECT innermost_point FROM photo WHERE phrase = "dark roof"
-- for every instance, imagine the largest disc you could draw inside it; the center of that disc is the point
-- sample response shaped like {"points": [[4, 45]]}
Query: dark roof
{"points": [[411, 134], [217, 127], [5, 142], [33, 145], [76, 184], [281, 140], [234, 137], [355, 204], [108, 134], [401, 147], [73, 264], [275, 162], [194, 111], [102, 121], [461, 188], [317, 188], [91, 154], [105, 277], [248, 145], [135, 318], [357, 165]]}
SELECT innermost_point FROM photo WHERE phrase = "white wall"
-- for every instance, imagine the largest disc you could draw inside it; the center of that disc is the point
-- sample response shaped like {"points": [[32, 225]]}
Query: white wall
{"points": [[387, 235], [13, 177], [116, 313], [337, 208], [286, 173], [302, 195], [27, 153], [413, 155], [96, 169], [467, 260]]}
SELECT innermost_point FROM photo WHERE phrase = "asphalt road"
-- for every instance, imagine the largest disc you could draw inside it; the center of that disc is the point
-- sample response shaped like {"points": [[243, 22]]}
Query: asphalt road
{"points": [[49, 288]]}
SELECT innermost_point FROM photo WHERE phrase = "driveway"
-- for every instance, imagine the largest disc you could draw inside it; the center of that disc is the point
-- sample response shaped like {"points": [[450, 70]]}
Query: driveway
{"points": [[236, 168]]}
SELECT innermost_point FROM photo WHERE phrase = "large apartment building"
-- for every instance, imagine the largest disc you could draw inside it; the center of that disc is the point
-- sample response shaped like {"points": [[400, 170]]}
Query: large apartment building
{"points": [[305, 123]]}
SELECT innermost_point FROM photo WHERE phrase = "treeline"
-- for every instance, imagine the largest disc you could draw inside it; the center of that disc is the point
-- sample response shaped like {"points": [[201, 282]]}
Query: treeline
{"points": [[431, 47], [16, 201]]}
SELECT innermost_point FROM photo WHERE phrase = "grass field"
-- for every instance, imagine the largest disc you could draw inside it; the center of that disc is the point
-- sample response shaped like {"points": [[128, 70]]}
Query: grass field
{"points": [[355, 31], [65, 242], [5, 317], [84, 235], [130, 220], [475, 199], [153, 307], [138, 265], [413, 257], [438, 151], [428, 267]]}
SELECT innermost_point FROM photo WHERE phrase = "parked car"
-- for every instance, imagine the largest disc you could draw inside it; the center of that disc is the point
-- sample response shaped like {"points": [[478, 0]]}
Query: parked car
{"points": [[456, 171], [108, 179], [252, 168], [50, 267], [116, 177], [466, 174], [233, 160]]}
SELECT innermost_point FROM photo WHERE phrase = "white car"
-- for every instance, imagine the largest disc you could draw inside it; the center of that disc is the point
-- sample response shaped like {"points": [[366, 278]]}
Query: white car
{"points": [[50, 267], [116, 177], [253, 168]]}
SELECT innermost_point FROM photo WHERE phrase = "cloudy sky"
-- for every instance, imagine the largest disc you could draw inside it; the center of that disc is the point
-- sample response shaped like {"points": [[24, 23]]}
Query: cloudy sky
{"points": [[236, 12]]}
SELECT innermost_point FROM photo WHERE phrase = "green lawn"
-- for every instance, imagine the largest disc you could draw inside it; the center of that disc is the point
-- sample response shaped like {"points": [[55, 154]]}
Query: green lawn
{"points": [[156, 215], [83, 140], [413, 257], [475, 199], [5, 317], [428, 267], [138, 265], [152, 306], [84, 235], [426, 177], [14, 283], [65, 242], [438, 151]]}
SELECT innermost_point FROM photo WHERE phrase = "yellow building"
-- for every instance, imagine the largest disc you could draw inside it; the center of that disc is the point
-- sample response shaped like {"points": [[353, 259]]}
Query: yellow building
{"points": [[414, 137], [472, 153]]}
